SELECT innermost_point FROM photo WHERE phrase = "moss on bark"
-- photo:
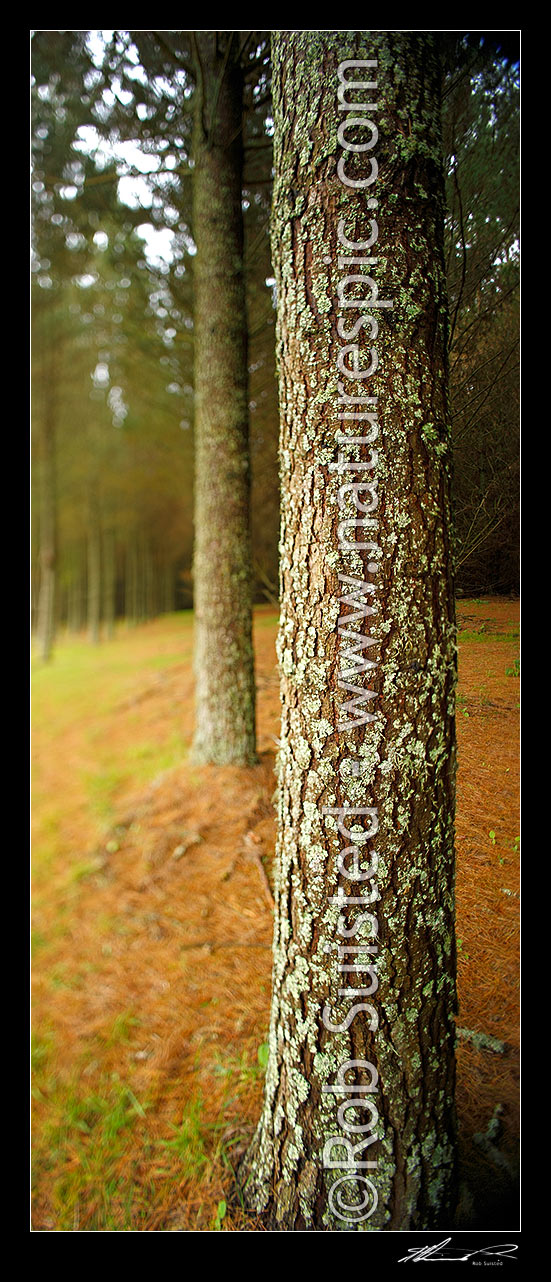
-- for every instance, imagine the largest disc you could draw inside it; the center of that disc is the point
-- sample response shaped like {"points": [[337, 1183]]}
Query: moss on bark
{"points": [[225, 691], [401, 763]]}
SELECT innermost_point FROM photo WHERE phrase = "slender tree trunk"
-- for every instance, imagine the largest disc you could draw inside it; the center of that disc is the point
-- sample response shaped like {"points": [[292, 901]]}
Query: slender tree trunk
{"points": [[150, 581], [225, 691], [61, 607], [131, 583], [362, 1032], [76, 590], [168, 589], [141, 601], [94, 574], [46, 599], [109, 582], [35, 595]]}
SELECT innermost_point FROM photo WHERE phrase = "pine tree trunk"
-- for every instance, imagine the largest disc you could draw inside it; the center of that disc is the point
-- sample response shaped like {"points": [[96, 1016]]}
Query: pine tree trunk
{"points": [[382, 1059], [150, 582], [47, 555], [61, 607], [35, 595], [131, 583], [168, 589], [76, 589], [94, 575], [225, 691], [109, 583]]}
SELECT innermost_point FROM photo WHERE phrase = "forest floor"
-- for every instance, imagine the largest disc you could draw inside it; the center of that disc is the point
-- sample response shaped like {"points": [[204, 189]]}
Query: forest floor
{"points": [[152, 929]]}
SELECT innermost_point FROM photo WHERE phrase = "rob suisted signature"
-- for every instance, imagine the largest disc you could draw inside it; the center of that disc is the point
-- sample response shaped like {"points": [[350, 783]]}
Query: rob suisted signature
{"points": [[443, 1251]]}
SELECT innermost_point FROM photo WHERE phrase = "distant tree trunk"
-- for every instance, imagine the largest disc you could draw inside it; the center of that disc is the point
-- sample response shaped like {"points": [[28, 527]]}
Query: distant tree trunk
{"points": [[131, 583], [76, 589], [109, 582], [61, 607], [372, 1064], [35, 594], [168, 589], [141, 596], [94, 574], [150, 581], [225, 691], [47, 555]]}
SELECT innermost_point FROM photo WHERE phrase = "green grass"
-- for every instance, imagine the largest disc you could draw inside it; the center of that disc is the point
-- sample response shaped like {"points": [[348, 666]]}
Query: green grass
{"points": [[121, 1029], [75, 700], [83, 677], [41, 1050], [189, 1141], [266, 620], [85, 1138], [239, 1069], [468, 634]]}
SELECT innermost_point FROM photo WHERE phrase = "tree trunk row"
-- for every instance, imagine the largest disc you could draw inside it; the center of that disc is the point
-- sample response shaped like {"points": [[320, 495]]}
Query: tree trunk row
{"points": [[97, 586]]}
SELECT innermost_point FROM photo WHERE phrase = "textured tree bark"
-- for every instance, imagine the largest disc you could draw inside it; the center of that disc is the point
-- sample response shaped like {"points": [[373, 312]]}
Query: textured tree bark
{"points": [[225, 692], [401, 763]]}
